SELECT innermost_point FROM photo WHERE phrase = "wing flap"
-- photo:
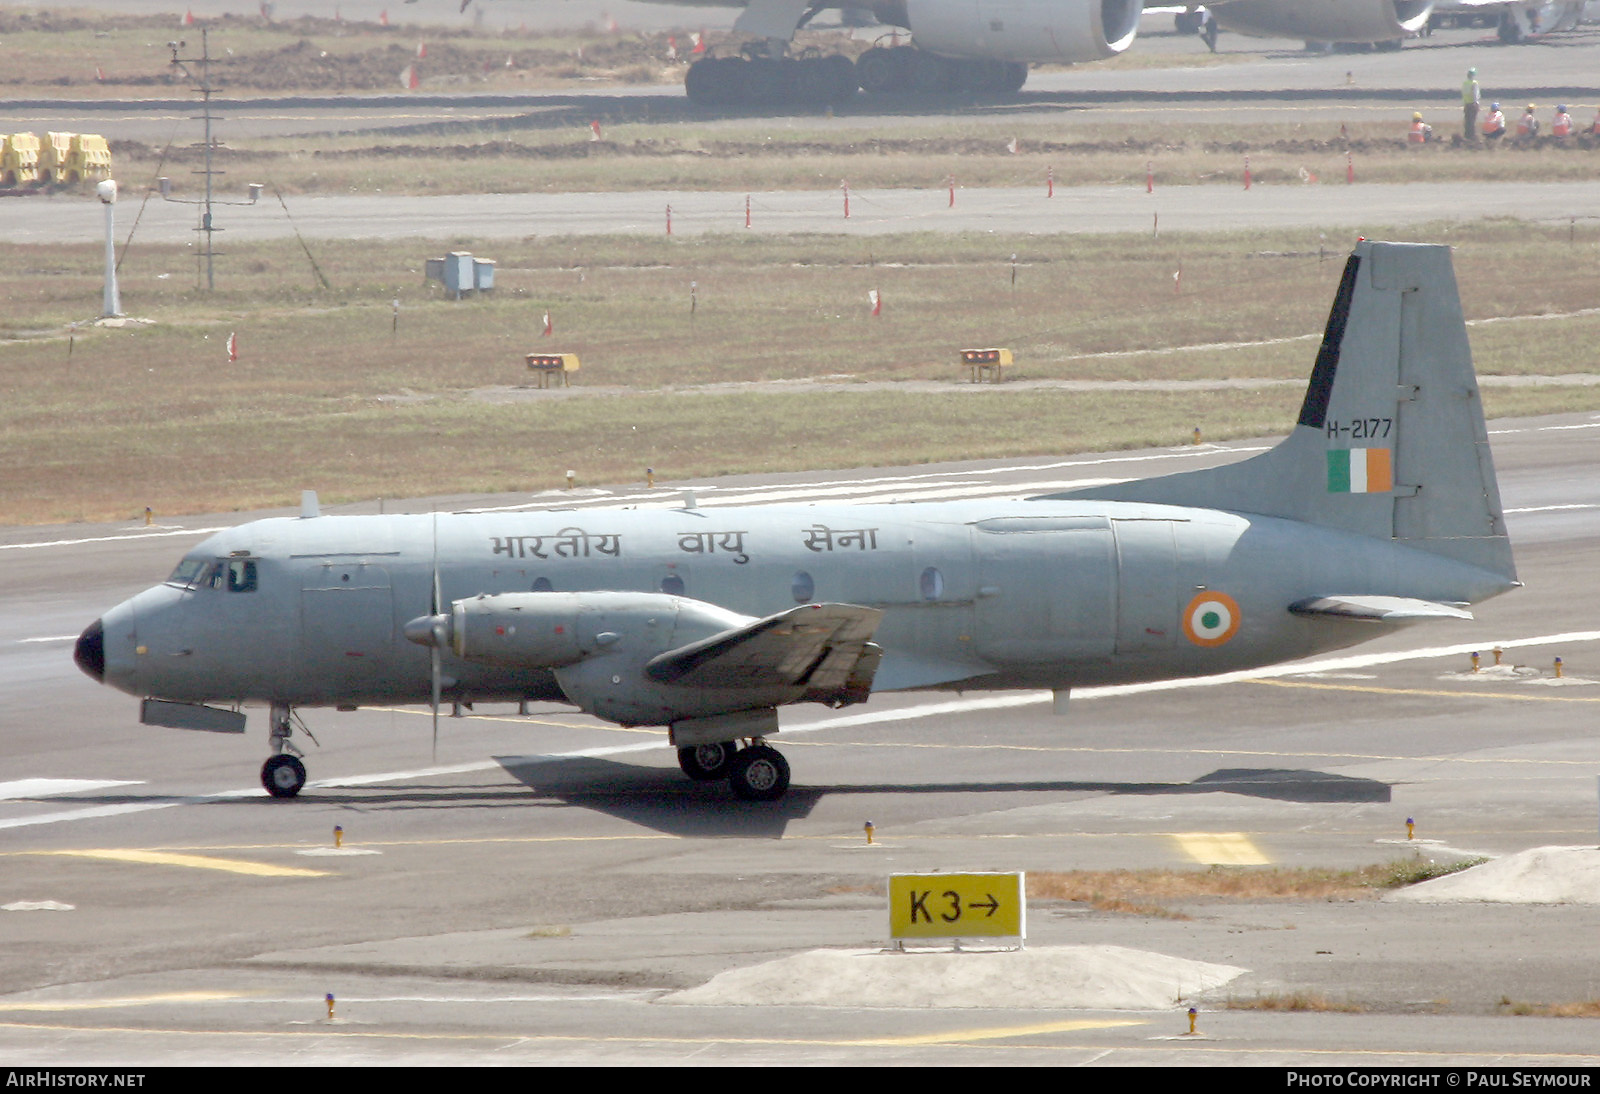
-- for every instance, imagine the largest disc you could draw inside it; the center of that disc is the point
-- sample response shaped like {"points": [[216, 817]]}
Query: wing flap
{"points": [[1377, 609], [824, 648]]}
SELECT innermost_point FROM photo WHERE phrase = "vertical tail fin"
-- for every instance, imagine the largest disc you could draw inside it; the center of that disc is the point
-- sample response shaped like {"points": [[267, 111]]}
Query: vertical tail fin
{"points": [[1390, 441]]}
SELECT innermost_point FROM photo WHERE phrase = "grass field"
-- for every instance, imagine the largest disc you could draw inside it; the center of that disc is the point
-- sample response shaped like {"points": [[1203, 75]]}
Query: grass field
{"points": [[780, 366]]}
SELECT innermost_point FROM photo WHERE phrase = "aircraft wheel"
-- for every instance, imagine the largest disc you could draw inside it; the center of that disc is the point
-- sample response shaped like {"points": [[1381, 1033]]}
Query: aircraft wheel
{"points": [[704, 763], [842, 75], [283, 775], [932, 74], [758, 774], [882, 71]]}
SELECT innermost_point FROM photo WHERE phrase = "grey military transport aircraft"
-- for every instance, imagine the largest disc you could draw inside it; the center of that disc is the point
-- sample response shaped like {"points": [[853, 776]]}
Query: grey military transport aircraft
{"points": [[1380, 509]]}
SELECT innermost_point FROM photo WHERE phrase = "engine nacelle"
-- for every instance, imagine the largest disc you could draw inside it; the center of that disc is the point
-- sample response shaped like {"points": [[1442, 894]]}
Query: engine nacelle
{"points": [[1325, 20], [1021, 30], [554, 630]]}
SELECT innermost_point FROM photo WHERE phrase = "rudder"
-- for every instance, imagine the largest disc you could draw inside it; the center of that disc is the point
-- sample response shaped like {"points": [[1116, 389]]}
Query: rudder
{"points": [[1390, 441]]}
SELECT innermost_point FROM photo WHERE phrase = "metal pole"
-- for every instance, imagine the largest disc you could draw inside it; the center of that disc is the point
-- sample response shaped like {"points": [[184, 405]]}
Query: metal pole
{"points": [[111, 303]]}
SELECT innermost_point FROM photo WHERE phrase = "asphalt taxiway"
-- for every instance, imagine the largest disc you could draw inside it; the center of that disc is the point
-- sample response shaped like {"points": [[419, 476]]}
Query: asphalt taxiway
{"points": [[539, 890]]}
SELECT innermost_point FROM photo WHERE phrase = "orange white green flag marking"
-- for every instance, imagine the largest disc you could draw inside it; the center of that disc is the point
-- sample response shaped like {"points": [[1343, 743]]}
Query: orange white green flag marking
{"points": [[1360, 471]]}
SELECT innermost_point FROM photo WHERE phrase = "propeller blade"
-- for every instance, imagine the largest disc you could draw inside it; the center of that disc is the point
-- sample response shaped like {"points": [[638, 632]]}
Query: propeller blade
{"points": [[434, 656]]}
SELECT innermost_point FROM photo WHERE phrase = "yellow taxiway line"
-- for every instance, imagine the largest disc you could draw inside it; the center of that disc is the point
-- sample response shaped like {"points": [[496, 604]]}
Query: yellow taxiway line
{"points": [[198, 862]]}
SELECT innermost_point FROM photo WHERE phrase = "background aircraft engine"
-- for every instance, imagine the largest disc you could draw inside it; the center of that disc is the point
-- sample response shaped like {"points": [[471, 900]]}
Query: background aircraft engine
{"points": [[1325, 20], [1025, 30]]}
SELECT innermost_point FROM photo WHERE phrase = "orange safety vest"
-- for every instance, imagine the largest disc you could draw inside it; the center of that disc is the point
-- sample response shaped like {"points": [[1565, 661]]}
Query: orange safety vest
{"points": [[1494, 123], [1562, 126], [1527, 126], [1419, 132]]}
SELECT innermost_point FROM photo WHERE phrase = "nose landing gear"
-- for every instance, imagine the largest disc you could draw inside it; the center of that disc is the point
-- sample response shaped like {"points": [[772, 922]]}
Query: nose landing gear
{"points": [[283, 775]]}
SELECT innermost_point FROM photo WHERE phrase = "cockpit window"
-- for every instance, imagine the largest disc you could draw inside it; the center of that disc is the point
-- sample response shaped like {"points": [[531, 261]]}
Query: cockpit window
{"points": [[236, 575], [241, 574], [189, 573]]}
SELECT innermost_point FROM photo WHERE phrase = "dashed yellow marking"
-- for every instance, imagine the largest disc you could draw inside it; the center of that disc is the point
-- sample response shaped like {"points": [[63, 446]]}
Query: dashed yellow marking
{"points": [[126, 1001], [1000, 1033], [1221, 848], [197, 862], [1432, 693]]}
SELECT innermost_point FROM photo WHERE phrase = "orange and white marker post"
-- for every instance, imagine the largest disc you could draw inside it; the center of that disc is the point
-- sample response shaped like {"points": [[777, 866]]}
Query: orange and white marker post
{"points": [[1349, 169], [1247, 172], [845, 186], [950, 180], [1149, 177], [1049, 182], [747, 210], [669, 220]]}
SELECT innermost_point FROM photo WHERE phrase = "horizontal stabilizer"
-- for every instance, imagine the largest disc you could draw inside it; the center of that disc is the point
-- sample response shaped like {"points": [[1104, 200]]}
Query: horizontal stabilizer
{"points": [[1378, 609], [825, 648]]}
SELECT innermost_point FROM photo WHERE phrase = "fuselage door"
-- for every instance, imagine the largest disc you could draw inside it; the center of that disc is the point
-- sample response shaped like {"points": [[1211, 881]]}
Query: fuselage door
{"points": [[346, 626], [1147, 585], [1044, 588]]}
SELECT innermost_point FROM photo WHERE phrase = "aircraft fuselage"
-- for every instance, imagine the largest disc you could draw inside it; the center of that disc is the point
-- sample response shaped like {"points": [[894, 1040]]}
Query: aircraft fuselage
{"points": [[976, 594]]}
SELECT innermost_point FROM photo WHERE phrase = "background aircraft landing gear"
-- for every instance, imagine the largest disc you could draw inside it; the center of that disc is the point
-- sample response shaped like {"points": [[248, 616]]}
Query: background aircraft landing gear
{"points": [[707, 763], [283, 775], [758, 774]]}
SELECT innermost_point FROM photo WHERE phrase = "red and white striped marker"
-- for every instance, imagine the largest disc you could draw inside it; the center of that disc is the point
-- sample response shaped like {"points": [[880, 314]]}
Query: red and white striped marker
{"points": [[1149, 176], [1349, 169], [594, 130], [669, 220], [233, 347], [1247, 172], [950, 180], [876, 300], [548, 329], [845, 186], [747, 210], [1049, 182]]}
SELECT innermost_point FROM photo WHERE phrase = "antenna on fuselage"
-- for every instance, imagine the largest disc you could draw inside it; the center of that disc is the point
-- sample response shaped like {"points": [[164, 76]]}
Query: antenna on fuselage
{"points": [[309, 506]]}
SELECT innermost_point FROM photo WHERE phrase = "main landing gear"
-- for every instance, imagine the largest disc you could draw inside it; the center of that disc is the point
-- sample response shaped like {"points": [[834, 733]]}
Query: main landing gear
{"points": [[756, 773], [283, 775]]}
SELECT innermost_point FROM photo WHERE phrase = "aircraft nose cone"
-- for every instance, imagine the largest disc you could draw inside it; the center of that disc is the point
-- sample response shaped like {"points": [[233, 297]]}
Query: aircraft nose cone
{"points": [[90, 652]]}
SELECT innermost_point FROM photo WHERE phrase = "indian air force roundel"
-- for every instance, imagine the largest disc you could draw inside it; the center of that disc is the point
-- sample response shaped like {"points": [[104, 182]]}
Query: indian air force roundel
{"points": [[1211, 619]]}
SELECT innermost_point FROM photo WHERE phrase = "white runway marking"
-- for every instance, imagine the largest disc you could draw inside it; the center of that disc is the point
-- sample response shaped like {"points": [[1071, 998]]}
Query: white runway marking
{"points": [[44, 788], [113, 539]]}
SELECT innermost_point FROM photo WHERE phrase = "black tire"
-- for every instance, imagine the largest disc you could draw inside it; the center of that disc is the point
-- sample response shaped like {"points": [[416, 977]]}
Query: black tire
{"points": [[283, 775], [758, 774], [706, 763], [932, 74], [843, 79], [882, 71]]}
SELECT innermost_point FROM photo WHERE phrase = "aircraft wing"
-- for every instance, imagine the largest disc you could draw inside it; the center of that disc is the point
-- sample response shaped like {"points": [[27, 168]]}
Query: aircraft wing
{"points": [[1377, 609], [825, 648]]}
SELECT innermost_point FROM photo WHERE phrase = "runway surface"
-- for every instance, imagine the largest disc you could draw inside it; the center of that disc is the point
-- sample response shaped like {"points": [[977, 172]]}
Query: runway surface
{"points": [[534, 892]]}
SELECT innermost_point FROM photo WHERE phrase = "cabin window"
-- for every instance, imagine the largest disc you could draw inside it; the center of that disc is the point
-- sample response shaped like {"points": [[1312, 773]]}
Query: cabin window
{"points": [[672, 585], [802, 587], [542, 585], [932, 583]]}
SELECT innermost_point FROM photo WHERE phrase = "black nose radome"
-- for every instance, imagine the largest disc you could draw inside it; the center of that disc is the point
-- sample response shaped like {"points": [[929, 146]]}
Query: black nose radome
{"points": [[90, 653]]}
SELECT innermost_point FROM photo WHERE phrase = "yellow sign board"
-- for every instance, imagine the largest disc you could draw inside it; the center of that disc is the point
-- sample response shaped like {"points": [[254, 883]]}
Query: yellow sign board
{"points": [[957, 906]]}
